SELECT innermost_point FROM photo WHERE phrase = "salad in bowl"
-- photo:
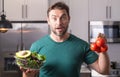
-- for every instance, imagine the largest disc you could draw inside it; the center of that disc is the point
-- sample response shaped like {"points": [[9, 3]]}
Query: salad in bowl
{"points": [[27, 59]]}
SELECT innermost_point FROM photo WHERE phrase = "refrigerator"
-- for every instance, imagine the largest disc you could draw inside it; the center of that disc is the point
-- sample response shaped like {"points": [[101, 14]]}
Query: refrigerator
{"points": [[20, 37]]}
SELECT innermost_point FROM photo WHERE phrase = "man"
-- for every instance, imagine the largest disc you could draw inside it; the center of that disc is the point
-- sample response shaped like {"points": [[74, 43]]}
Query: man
{"points": [[65, 52]]}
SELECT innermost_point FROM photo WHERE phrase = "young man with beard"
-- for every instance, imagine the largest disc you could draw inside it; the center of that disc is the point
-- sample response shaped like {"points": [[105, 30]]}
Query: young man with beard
{"points": [[65, 52]]}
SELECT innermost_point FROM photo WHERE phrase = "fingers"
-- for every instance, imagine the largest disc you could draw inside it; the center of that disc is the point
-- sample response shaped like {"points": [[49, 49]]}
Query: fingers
{"points": [[22, 69], [101, 35], [28, 70], [31, 71]]}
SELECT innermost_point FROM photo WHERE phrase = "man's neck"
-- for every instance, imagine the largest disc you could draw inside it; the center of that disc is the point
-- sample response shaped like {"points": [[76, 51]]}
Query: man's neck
{"points": [[60, 38]]}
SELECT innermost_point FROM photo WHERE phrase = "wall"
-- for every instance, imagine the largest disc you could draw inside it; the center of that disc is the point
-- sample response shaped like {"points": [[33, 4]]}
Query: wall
{"points": [[79, 18]]}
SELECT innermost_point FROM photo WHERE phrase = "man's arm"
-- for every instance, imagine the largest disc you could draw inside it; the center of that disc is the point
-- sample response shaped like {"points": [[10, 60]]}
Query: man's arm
{"points": [[102, 65]]}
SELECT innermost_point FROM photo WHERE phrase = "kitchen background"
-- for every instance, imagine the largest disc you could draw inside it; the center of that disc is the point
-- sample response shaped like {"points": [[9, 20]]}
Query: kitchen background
{"points": [[27, 12]]}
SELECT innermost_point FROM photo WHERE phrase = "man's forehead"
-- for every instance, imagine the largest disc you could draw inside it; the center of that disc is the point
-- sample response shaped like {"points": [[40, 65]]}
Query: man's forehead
{"points": [[57, 12]]}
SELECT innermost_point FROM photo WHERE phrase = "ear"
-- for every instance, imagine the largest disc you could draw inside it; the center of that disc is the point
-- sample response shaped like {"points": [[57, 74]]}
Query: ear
{"points": [[69, 18]]}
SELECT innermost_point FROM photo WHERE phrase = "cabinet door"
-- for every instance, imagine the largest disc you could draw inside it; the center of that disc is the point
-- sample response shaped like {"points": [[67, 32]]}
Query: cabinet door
{"points": [[14, 9], [37, 9], [98, 9], [26, 10], [115, 10], [0, 7]]}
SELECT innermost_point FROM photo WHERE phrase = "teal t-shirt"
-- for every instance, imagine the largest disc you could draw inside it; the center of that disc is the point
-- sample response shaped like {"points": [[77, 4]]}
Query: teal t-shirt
{"points": [[63, 59]]}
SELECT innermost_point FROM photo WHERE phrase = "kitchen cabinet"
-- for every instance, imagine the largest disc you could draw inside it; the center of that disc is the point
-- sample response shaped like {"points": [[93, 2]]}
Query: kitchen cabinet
{"points": [[79, 18], [0, 7], [51, 2], [10, 74], [104, 10], [85, 75], [26, 10]]}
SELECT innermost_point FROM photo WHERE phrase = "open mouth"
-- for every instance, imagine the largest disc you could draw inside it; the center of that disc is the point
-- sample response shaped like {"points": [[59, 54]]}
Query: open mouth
{"points": [[60, 29]]}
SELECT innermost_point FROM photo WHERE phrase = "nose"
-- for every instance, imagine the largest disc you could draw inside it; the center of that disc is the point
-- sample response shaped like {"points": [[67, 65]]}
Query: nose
{"points": [[58, 21]]}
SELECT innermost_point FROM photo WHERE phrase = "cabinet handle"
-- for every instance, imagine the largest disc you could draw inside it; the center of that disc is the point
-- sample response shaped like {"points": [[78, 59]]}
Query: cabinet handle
{"points": [[22, 11], [26, 11], [110, 12], [107, 12]]}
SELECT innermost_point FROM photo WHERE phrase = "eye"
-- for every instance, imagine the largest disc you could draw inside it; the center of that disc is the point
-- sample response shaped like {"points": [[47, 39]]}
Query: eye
{"points": [[54, 18], [64, 17]]}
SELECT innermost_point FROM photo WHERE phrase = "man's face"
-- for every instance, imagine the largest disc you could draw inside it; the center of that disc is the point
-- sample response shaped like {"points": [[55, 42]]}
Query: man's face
{"points": [[58, 21]]}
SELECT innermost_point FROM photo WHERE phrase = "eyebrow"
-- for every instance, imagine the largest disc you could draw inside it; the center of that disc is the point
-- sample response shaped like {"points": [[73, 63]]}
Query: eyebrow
{"points": [[61, 15]]}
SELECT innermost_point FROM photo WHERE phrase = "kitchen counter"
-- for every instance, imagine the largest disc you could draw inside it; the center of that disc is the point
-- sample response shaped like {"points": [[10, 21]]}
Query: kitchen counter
{"points": [[85, 72]]}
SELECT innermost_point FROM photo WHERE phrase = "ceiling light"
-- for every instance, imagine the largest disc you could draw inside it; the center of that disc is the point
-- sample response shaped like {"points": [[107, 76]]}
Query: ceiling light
{"points": [[4, 24]]}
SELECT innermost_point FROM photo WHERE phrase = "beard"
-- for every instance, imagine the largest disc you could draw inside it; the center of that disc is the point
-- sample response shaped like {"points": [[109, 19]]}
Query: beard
{"points": [[60, 33]]}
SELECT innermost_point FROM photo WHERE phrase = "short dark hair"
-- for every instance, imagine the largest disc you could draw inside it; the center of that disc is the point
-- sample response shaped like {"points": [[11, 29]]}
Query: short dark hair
{"points": [[59, 5]]}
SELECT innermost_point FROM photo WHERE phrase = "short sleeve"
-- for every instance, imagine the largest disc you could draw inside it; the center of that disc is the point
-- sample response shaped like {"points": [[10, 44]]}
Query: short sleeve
{"points": [[90, 56], [34, 47]]}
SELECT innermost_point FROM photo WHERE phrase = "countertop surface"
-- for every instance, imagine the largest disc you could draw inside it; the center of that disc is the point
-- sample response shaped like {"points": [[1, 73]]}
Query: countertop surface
{"points": [[85, 69]]}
